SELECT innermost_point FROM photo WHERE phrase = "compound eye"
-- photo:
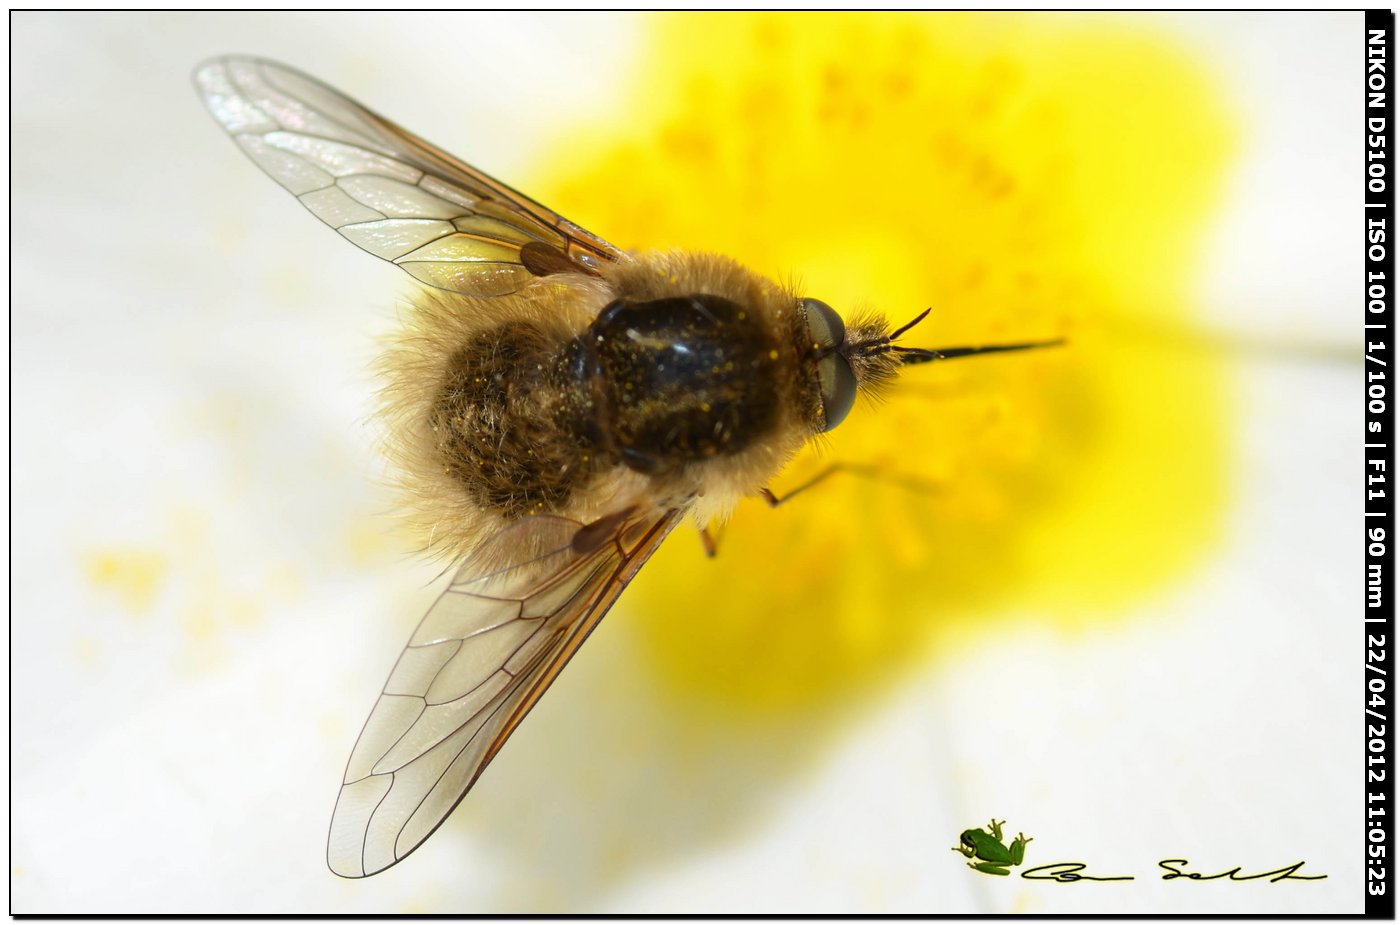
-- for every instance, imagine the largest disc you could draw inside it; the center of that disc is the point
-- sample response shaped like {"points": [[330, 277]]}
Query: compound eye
{"points": [[838, 385], [827, 329], [838, 382]]}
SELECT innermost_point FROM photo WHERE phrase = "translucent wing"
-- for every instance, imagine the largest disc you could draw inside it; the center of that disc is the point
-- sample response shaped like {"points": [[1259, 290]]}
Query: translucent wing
{"points": [[513, 616], [387, 191]]}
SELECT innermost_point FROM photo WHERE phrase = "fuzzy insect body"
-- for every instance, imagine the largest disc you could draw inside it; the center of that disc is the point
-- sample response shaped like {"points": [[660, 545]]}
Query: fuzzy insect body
{"points": [[668, 379], [554, 407]]}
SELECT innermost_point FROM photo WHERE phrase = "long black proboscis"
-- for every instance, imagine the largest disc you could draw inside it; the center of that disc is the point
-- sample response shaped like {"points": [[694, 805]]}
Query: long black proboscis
{"points": [[912, 355]]}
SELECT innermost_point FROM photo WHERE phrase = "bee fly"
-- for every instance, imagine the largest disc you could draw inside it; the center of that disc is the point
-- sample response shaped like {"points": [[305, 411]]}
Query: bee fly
{"points": [[555, 406]]}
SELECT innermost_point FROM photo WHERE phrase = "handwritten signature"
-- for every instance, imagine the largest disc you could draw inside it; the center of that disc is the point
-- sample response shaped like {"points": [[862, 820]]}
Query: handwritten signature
{"points": [[1070, 872]]}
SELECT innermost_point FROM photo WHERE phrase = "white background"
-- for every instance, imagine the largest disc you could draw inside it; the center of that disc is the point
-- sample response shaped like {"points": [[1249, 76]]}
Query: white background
{"points": [[190, 362]]}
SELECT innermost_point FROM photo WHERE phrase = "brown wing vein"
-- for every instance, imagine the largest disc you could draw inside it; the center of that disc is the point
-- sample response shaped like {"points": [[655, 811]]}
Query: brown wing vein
{"points": [[378, 822], [320, 133]]}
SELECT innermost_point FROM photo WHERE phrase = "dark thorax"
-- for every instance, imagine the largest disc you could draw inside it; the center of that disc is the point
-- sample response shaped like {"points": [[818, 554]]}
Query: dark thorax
{"points": [[677, 380]]}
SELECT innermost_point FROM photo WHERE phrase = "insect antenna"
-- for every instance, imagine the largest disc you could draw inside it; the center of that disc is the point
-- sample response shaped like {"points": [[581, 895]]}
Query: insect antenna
{"points": [[917, 318]]}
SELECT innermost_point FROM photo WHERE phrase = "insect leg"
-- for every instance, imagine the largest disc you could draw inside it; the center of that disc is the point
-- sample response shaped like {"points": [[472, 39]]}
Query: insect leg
{"points": [[708, 542], [709, 539], [910, 482]]}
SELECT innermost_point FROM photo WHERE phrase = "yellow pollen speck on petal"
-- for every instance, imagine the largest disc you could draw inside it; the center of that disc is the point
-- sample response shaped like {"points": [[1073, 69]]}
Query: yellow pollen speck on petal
{"points": [[1027, 177], [135, 576]]}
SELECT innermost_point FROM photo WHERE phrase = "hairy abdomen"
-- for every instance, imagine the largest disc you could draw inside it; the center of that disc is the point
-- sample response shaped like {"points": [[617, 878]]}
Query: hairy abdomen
{"points": [[505, 423]]}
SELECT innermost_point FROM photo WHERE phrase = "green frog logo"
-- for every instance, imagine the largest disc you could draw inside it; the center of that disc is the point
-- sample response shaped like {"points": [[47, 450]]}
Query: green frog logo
{"points": [[987, 851]]}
